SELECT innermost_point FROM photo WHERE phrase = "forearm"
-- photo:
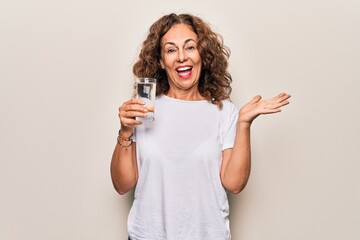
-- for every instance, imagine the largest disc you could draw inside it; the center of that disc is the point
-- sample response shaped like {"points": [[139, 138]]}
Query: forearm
{"points": [[236, 163], [124, 168], [124, 172], [237, 170]]}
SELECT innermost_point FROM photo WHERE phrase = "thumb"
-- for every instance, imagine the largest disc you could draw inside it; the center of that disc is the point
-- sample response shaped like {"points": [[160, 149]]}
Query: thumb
{"points": [[256, 99]]}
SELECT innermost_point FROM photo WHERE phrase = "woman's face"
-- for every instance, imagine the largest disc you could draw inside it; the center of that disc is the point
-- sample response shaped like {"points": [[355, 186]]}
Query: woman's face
{"points": [[181, 60]]}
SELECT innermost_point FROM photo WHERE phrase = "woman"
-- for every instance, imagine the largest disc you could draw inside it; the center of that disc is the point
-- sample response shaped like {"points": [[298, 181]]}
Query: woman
{"points": [[198, 147]]}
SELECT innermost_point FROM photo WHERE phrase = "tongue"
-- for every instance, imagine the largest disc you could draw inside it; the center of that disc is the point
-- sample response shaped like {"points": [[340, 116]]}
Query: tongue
{"points": [[185, 73]]}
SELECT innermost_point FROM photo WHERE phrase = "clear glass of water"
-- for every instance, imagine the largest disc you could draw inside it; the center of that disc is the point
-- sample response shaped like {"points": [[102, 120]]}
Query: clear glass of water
{"points": [[146, 91]]}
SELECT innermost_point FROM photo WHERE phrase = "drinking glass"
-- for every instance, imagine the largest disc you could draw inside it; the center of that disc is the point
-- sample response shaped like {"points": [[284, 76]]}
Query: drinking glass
{"points": [[146, 91]]}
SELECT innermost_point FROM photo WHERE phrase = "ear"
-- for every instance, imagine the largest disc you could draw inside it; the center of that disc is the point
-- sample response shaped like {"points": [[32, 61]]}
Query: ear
{"points": [[162, 64]]}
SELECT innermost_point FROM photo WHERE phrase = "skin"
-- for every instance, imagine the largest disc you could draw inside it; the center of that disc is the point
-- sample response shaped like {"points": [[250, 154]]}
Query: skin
{"points": [[179, 52]]}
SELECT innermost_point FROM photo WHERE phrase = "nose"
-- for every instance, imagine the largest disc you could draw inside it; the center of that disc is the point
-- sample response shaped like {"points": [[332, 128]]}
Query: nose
{"points": [[182, 56]]}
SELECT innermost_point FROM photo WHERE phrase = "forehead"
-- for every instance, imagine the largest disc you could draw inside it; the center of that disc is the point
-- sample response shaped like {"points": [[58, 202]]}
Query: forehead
{"points": [[178, 34]]}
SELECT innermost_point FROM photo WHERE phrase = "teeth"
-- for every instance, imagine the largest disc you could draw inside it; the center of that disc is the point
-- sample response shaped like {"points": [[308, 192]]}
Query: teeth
{"points": [[183, 69]]}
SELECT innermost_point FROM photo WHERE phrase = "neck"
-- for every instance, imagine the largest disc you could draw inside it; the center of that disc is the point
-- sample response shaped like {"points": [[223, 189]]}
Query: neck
{"points": [[187, 96]]}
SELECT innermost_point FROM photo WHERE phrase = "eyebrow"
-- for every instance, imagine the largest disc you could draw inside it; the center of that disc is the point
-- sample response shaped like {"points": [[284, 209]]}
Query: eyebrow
{"points": [[186, 41]]}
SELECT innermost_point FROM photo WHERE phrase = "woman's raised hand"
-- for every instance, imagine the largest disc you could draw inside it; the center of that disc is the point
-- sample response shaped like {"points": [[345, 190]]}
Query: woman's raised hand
{"points": [[128, 112], [258, 106]]}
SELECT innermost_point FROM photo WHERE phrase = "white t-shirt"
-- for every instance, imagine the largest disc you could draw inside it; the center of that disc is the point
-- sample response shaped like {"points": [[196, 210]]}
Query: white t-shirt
{"points": [[179, 194]]}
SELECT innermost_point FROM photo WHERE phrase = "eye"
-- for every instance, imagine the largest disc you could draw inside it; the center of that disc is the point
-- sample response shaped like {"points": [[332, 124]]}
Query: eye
{"points": [[190, 48], [171, 50]]}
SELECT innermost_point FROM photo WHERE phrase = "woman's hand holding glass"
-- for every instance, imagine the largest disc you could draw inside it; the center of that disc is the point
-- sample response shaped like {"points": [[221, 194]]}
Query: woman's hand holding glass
{"points": [[128, 112]]}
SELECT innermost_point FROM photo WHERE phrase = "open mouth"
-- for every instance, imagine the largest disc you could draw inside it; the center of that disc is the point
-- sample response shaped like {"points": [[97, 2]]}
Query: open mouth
{"points": [[184, 71]]}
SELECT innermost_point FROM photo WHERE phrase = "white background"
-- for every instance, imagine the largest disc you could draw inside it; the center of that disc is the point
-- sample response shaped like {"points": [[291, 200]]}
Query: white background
{"points": [[66, 66]]}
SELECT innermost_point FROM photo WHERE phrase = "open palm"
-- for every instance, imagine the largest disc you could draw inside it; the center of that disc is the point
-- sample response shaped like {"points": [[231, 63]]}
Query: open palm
{"points": [[258, 106]]}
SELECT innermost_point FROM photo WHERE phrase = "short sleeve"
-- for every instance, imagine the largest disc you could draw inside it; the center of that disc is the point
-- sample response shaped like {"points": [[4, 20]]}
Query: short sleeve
{"points": [[230, 118]]}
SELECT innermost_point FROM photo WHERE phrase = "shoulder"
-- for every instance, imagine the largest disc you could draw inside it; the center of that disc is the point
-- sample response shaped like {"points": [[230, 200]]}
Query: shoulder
{"points": [[229, 113], [229, 106]]}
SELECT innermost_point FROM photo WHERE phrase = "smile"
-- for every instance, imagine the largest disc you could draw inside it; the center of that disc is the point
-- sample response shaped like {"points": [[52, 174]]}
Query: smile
{"points": [[184, 71]]}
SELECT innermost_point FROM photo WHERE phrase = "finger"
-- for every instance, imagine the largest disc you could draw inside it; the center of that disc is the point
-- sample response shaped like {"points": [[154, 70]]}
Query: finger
{"points": [[255, 99], [133, 106], [137, 101], [132, 102], [277, 105], [276, 97], [131, 123], [283, 103], [282, 97], [132, 114], [129, 112], [279, 98], [270, 111]]}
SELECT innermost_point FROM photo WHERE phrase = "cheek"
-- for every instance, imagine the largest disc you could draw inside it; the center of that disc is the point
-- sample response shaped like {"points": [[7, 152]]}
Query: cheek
{"points": [[168, 61], [198, 59]]}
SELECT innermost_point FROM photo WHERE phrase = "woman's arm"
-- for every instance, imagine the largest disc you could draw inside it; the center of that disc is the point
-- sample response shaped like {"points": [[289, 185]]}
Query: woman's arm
{"points": [[236, 163], [123, 169]]}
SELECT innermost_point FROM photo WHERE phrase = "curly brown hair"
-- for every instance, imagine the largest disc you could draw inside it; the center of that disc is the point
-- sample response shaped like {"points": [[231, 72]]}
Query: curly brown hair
{"points": [[215, 80]]}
